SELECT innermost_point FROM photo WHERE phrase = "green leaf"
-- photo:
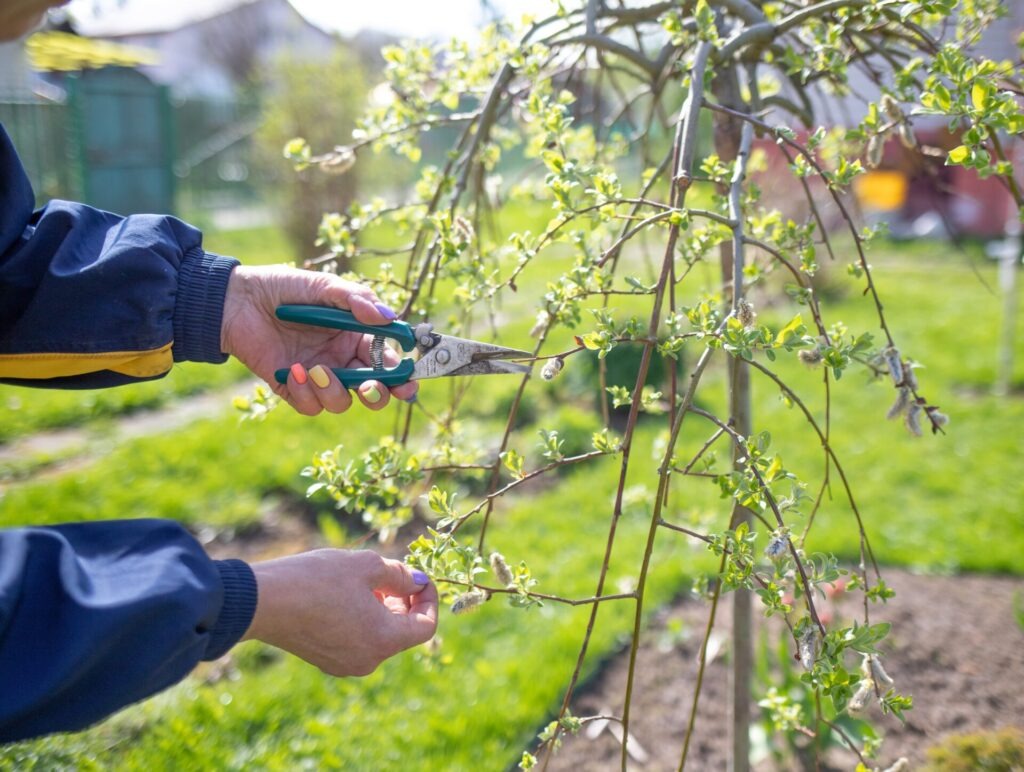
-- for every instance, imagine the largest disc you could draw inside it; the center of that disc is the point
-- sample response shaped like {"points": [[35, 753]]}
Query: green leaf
{"points": [[959, 154], [979, 96], [514, 462], [795, 327]]}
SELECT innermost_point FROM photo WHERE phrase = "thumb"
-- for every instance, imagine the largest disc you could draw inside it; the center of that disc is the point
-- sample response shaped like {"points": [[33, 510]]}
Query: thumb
{"points": [[396, 578]]}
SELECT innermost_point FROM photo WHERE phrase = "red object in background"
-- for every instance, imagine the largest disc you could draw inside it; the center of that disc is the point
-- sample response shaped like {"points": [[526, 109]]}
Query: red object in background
{"points": [[965, 204]]}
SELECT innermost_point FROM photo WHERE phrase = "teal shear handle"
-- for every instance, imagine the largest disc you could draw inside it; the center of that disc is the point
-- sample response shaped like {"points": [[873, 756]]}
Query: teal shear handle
{"points": [[337, 319]]}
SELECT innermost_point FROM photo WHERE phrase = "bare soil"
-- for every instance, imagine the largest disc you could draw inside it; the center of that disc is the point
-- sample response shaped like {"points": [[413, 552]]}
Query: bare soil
{"points": [[955, 646]]}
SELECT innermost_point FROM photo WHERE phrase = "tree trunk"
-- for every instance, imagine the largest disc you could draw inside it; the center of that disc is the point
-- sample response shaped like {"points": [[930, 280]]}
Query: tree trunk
{"points": [[727, 131], [1009, 268]]}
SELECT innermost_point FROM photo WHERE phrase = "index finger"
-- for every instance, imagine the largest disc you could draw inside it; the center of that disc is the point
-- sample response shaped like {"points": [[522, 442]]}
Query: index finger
{"points": [[361, 300]]}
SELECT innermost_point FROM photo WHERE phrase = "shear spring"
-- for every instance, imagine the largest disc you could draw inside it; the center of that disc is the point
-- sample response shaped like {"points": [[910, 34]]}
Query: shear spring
{"points": [[377, 352]]}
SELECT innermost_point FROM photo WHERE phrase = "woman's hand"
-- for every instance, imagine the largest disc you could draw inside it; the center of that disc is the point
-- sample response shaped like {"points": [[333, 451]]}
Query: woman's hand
{"points": [[20, 16], [343, 611], [252, 333]]}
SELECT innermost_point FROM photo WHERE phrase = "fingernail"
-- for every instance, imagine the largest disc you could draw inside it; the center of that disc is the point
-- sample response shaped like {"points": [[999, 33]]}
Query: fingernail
{"points": [[386, 312], [420, 578], [412, 400], [320, 376], [371, 394], [298, 373]]}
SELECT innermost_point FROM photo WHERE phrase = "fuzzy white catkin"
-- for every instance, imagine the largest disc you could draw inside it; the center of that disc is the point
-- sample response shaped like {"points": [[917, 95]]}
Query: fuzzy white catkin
{"points": [[469, 601], [543, 319], [912, 420], [901, 403], [906, 135], [859, 701], [776, 548], [810, 356], [745, 313], [894, 363], [891, 107], [551, 369], [340, 161], [878, 672], [901, 765], [463, 229], [808, 648], [501, 570], [876, 147]]}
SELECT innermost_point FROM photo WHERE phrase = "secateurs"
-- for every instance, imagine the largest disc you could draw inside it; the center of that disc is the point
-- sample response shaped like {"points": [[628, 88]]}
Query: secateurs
{"points": [[440, 355]]}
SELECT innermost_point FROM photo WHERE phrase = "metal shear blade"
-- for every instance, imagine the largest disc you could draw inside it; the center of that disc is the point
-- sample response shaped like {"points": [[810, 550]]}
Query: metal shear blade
{"points": [[457, 356]]}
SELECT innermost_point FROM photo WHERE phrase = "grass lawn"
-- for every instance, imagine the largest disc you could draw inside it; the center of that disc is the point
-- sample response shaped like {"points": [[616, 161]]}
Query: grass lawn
{"points": [[941, 502]]}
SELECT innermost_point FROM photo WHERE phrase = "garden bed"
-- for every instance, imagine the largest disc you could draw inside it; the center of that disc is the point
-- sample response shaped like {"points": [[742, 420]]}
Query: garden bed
{"points": [[957, 647]]}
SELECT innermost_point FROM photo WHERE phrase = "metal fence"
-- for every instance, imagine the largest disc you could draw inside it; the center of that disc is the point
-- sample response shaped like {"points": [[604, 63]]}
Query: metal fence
{"points": [[210, 150], [215, 154], [40, 130]]}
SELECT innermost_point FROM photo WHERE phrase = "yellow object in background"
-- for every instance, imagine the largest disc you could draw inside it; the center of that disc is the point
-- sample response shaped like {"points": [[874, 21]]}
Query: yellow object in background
{"points": [[64, 52], [881, 190]]}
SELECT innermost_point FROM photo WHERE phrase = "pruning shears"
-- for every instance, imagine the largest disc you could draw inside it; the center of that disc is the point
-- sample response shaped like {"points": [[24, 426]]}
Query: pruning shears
{"points": [[439, 355]]}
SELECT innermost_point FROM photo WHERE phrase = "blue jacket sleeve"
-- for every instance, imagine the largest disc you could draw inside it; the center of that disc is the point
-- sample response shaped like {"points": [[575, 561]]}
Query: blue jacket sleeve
{"points": [[91, 299], [96, 616]]}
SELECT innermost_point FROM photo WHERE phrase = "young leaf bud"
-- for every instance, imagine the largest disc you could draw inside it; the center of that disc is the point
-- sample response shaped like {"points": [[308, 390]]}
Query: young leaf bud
{"points": [[894, 363], [745, 313], [501, 570], [808, 646], [901, 403], [469, 601], [552, 368]]}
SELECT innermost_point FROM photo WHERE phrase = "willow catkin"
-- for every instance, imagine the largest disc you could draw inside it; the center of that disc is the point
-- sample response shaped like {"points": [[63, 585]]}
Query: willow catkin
{"points": [[469, 601], [501, 570]]}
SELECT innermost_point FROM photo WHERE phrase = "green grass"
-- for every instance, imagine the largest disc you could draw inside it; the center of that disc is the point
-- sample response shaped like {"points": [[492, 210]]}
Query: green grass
{"points": [[507, 671], [252, 246], [941, 502]]}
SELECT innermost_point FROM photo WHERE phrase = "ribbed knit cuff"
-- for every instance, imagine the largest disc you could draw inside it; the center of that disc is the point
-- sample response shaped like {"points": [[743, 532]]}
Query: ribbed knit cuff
{"points": [[236, 611], [199, 306]]}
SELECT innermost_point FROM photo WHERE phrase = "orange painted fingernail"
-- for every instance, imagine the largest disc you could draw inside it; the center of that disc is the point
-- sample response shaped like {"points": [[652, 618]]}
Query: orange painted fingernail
{"points": [[320, 376], [298, 373]]}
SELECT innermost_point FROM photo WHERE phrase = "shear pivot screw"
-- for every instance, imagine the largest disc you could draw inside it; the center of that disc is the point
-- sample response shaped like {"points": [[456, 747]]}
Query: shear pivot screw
{"points": [[443, 356]]}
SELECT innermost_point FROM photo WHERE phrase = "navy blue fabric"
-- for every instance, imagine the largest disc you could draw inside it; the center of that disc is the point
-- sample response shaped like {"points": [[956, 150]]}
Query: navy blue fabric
{"points": [[95, 616], [74, 279]]}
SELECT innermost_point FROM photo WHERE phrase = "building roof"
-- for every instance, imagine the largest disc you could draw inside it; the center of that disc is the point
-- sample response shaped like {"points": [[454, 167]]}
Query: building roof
{"points": [[63, 52], [121, 18]]}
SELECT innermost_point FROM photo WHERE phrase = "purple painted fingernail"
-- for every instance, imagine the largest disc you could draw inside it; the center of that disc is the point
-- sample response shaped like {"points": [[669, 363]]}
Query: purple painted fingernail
{"points": [[411, 400], [420, 578], [386, 312]]}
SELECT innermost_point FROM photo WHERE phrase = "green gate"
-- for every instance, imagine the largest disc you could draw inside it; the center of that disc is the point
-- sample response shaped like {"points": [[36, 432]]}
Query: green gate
{"points": [[124, 141]]}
